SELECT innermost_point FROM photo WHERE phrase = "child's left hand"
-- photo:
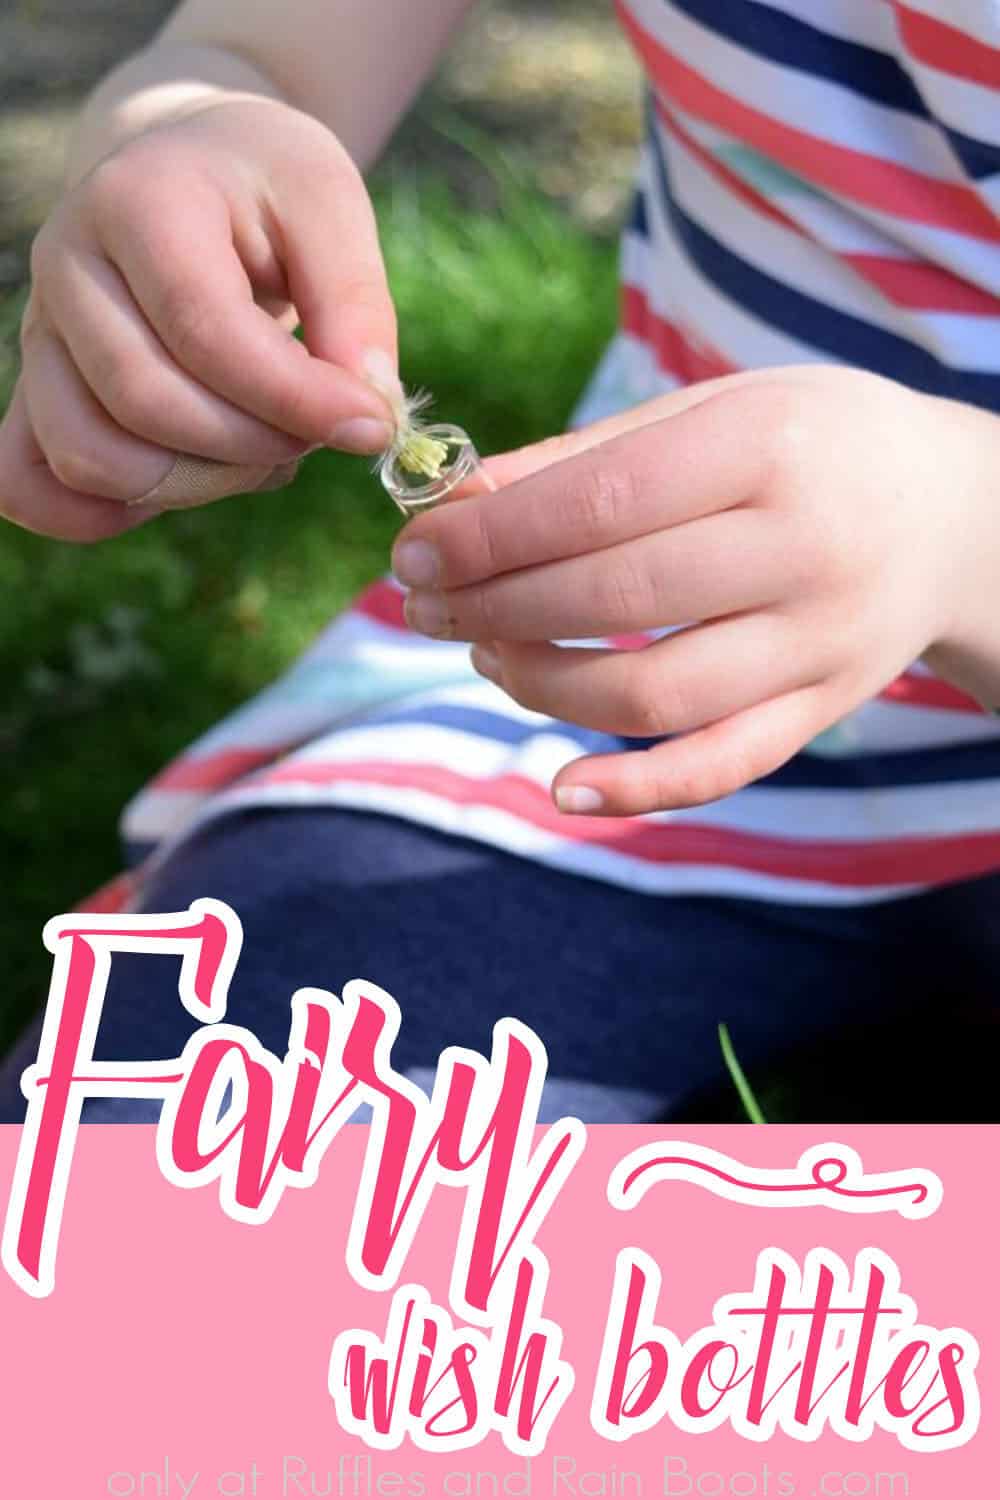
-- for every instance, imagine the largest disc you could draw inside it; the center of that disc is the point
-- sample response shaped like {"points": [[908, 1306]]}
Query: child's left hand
{"points": [[824, 526]]}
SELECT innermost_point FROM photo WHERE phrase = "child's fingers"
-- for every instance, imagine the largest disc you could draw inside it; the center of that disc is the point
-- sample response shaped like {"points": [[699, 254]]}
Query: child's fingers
{"points": [[507, 468], [85, 450], [184, 273], [700, 767], [336, 275], [675, 685], [135, 379], [737, 560], [709, 456], [31, 496]]}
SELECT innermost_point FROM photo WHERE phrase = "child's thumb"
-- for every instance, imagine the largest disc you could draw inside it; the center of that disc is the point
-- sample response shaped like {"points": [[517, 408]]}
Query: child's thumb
{"points": [[338, 283]]}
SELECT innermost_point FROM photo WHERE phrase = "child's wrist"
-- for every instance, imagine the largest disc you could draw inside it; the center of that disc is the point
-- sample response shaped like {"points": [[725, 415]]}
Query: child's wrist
{"points": [[163, 85], [967, 650]]}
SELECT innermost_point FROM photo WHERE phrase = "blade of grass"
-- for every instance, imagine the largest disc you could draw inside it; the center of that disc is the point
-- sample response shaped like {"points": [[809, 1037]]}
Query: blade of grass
{"points": [[736, 1073]]}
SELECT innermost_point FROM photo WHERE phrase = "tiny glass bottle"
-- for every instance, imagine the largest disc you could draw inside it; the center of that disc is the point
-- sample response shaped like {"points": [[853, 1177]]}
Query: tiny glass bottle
{"points": [[445, 466]]}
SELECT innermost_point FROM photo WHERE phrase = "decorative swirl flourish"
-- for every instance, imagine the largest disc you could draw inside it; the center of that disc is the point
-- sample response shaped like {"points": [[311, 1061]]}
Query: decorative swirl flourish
{"points": [[826, 1175]]}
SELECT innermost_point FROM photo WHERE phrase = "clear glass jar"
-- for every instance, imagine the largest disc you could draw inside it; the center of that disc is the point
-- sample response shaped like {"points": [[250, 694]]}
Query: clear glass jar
{"points": [[462, 473]]}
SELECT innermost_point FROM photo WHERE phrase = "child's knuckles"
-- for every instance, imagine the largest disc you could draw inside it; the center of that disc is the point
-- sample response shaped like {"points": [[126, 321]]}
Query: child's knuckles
{"points": [[125, 386], [490, 547], [526, 687], [81, 468], [811, 557], [652, 706], [188, 322], [483, 612], [600, 501], [623, 592], [789, 421]]}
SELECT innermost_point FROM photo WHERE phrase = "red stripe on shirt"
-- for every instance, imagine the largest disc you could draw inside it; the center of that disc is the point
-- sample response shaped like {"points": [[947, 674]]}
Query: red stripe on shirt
{"points": [[384, 603], [924, 287], [905, 283], [114, 896], [901, 861], [634, 642], [886, 186], [205, 773], [723, 173], [678, 357], [674, 351], [917, 691], [209, 773], [947, 49]]}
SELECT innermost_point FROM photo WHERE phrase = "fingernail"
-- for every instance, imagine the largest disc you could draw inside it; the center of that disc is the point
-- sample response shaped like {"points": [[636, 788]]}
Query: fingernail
{"points": [[427, 613], [416, 564], [361, 435], [486, 662], [578, 799]]}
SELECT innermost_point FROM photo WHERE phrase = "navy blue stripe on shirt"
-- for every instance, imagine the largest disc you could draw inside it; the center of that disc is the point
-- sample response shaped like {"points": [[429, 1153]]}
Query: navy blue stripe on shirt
{"points": [[976, 762], [979, 158], [638, 219], [791, 43], [846, 338], [135, 851], [805, 772], [893, 768], [491, 726], [783, 39], [808, 771]]}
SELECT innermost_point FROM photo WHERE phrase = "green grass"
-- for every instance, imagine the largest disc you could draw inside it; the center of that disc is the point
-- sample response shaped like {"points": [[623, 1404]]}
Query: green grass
{"points": [[114, 657]]}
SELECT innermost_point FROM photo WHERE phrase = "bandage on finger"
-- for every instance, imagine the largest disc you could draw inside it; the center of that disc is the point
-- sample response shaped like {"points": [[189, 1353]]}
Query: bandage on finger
{"points": [[197, 481]]}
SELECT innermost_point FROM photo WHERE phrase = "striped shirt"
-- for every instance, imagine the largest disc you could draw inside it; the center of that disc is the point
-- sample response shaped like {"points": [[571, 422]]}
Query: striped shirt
{"points": [[820, 182]]}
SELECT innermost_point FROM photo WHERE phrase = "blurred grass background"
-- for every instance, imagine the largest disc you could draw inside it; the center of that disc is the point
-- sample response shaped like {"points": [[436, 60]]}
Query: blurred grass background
{"points": [[498, 203], [114, 657]]}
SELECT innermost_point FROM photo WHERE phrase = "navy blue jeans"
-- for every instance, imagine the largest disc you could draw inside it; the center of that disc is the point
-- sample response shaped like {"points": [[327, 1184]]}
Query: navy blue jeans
{"points": [[860, 1012]]}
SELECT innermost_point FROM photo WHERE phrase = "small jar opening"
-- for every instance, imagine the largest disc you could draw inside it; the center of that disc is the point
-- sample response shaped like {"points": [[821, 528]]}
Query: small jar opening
{"points": [[415, 492]]}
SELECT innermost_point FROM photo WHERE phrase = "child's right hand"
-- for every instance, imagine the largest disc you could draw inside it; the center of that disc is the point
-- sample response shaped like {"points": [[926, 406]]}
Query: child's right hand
{"points": [[165, 286]]}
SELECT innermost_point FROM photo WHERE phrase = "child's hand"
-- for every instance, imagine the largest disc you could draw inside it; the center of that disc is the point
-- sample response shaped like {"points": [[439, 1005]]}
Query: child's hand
{"points": [[165, 288], [826, 526]]}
